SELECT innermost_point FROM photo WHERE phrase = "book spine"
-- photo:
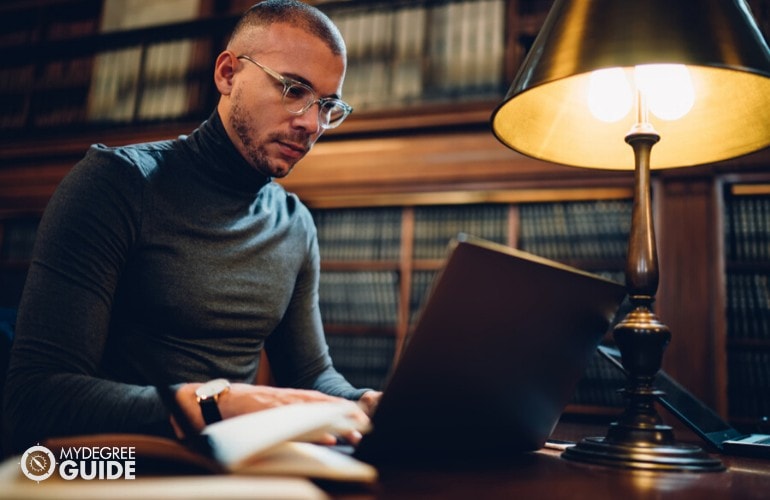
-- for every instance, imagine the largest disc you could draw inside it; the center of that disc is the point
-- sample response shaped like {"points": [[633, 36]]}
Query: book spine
{"points": [[435, 226], [747, 248], [600, 385], [359, 298], [365, 361], [577, 233], [359, 234]]}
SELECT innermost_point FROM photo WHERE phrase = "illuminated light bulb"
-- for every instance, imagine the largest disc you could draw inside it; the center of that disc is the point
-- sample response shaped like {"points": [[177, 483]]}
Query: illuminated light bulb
{"points": [[610, 97], [668, 89]]}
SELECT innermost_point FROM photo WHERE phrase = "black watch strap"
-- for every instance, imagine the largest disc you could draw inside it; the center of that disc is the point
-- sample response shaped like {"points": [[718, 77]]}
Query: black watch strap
{"points": [[208, 396], [210, 411]]}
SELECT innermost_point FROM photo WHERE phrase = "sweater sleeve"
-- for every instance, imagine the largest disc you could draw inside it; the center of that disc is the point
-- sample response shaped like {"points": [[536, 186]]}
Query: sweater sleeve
{"points": [[85, 236]]}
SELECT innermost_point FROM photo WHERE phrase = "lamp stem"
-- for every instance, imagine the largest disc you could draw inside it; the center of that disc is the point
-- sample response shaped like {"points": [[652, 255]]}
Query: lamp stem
{"points": [[641, 337], [642, 258], [640, 438]]}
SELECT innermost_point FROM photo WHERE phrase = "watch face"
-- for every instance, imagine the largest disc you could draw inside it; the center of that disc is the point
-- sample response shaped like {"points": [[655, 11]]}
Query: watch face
{"points": [[212, 388]]}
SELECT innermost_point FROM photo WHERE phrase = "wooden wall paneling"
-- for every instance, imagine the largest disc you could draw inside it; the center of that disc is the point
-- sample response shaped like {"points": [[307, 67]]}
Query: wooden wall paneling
{"points": [[426, 163], [719, 304], [688, 297]]}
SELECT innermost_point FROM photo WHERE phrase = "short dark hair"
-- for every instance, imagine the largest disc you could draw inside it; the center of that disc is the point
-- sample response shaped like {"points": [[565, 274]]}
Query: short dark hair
{"points": [[293, 12]]}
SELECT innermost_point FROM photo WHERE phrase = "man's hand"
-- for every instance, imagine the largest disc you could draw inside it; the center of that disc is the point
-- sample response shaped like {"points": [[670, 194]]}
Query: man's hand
{"points": [[369, 401], [248, 398]]}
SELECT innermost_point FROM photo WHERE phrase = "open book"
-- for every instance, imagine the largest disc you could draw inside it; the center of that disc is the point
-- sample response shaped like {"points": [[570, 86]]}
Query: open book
{"points": [[277, 441]]}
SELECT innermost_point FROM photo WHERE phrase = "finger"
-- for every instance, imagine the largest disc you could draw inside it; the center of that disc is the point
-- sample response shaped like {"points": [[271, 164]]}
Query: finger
{"points": [[353, 437]]}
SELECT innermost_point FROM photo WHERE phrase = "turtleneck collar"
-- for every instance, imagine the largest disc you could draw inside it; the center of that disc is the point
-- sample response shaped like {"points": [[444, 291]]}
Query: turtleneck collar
{"points": [[221, 159]]}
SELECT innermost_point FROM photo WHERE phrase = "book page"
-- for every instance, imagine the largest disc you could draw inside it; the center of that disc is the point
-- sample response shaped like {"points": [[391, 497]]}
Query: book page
{"points": [[237, 442], [310, 460]]}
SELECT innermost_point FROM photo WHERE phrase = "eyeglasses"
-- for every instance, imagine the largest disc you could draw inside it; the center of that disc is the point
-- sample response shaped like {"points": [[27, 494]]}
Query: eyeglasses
{"points": [[297, 98]]}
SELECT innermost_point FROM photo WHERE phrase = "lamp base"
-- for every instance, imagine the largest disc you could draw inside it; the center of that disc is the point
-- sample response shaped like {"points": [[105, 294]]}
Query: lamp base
{"points": [[639, 439], [674, 457]]}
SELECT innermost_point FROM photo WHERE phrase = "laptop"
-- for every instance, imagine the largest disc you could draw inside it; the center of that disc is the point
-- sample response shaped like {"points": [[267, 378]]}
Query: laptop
{"points": [[496, 354], [697, 416]]}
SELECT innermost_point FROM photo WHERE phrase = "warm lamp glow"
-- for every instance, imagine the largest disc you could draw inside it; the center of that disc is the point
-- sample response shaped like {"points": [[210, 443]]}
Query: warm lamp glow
{"points": [[610, 97], [667, 89], [545, 113]]}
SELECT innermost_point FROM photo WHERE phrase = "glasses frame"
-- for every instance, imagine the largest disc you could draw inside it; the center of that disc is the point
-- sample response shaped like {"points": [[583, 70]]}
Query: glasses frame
{"points": [[288, 83]]}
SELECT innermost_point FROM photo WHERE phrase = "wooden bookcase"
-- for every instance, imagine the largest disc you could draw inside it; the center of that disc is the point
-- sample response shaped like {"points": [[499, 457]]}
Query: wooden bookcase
{"points": [[45, 90], [379, 262], [747, 288]]}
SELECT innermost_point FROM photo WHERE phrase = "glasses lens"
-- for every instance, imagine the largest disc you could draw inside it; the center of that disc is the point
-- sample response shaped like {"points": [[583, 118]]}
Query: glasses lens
{"points": [[298, 98], [333, 113]]}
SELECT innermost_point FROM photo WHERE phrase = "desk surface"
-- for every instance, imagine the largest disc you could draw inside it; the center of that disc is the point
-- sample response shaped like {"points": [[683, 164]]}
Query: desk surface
{"points": [[546, 475], [543, 474]]}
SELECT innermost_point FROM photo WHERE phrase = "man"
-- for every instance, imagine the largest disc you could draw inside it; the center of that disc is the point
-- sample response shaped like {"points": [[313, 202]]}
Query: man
{"points": [[178, 261]]}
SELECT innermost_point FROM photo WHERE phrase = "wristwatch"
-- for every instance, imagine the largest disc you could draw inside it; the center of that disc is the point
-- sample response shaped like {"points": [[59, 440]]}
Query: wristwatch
{"points": [[208, 395]]}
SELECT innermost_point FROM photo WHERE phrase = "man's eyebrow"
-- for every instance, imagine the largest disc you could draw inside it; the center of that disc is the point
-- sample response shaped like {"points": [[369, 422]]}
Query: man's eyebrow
{"points": [[300, 79]]}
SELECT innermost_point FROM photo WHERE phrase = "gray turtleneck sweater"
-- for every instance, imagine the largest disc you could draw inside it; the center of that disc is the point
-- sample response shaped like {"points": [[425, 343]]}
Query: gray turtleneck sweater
{"points": [[166, 262]]}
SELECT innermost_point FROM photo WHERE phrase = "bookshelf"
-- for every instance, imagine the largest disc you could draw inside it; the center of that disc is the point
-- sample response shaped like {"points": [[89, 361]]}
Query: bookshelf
{"points": [[747, 271], [87, 65], [39, 92], [422, 51], [378, 263]]}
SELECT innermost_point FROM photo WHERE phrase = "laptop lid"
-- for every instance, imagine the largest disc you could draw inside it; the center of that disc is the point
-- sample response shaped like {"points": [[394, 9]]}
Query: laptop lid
{"points": [[495, 355]]}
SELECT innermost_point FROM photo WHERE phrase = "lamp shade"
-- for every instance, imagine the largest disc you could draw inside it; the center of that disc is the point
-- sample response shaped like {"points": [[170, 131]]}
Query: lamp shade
{"points": [[545, 113]]}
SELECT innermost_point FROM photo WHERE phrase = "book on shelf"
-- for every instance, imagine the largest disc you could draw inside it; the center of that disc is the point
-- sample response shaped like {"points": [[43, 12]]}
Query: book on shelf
{"points": [[748, 305], [747, 228], [364, 360], [435, 226], [576, 230], [359, 297], [274, 442], [421, 284], [359, 234], [407, 66], [600, 385]]}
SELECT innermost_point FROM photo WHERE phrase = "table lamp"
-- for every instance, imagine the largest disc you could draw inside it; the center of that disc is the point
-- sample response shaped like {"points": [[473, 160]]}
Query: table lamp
{"points": [[604, 82]]}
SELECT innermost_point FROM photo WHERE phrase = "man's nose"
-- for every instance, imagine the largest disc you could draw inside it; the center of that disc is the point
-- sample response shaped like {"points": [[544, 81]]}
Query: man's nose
{"points": [[310, 120]]}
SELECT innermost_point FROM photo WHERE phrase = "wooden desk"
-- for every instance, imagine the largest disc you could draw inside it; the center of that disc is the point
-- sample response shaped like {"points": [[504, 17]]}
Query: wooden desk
{"points": [[532, 476], [544, 475]]}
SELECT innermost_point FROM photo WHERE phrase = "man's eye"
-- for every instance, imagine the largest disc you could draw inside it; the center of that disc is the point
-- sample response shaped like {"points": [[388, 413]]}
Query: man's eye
{"points": [[297, 92]]}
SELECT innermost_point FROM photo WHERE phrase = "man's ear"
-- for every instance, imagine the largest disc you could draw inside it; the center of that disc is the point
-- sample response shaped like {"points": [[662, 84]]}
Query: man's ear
{"points": [[224, 70]]}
